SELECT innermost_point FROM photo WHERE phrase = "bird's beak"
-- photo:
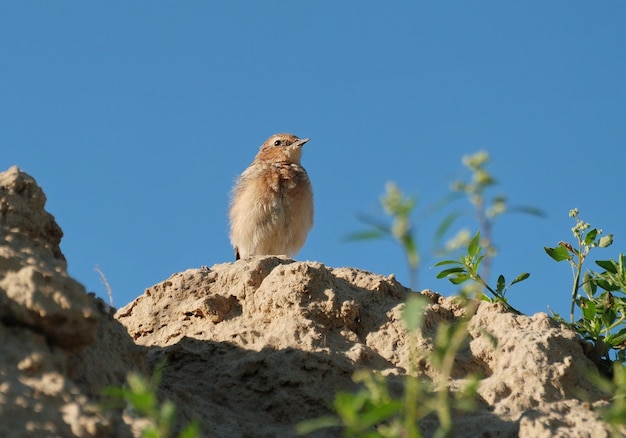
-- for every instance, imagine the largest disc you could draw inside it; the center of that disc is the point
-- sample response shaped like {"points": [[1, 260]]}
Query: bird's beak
{"points": [[300, 142]]}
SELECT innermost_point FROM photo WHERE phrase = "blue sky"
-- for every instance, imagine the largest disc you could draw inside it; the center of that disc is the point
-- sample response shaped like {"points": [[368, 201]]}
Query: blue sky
{"points": [[137, 117]]}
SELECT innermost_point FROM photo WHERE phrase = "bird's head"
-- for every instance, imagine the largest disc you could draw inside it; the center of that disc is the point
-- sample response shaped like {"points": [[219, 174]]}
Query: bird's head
{"points": [[282, 148]]}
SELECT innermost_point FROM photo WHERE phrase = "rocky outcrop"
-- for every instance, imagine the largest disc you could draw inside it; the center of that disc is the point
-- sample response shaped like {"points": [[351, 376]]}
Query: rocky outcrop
{"points": [[256, 346], [253, 347], [52, 331]]}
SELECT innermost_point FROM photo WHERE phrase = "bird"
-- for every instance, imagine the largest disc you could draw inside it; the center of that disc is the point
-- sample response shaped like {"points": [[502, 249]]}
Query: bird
{"points": [[271, 207]]}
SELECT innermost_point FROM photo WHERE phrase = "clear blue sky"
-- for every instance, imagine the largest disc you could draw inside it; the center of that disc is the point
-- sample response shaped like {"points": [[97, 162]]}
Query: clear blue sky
{"points": [[136, 118]]}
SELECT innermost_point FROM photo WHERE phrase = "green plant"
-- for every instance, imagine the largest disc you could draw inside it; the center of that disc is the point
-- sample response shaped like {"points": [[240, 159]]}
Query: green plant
{"points": [[601, 297], [374, 412], [474, 190], [449, 340], [485, 210], [140, 395], [604, 313], [399, 207], [586, 240], [467, 268], [615, 412]]}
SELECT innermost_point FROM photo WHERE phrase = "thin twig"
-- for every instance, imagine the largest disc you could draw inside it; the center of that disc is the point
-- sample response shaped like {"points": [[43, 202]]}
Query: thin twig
{"points": [[104, 281]]}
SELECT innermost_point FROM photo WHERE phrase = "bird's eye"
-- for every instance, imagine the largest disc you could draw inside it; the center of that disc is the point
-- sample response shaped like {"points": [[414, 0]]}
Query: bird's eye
{"points": [[277, 143]]}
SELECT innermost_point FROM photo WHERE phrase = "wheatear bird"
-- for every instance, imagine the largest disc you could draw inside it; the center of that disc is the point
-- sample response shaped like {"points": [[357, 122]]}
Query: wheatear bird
{"points": [[271, 210]]}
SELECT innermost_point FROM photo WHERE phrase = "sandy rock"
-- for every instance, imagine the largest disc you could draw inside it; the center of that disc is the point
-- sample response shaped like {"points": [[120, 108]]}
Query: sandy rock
{"points": [[252, 348], [48, 387], [35, 289], [267, 338]]}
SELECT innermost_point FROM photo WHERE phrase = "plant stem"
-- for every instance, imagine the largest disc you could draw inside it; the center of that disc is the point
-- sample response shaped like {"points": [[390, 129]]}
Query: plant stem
{"points": [[413, 272], [485, 226], [412, 391], [580, 254], [459, 336], [410, 406], [500, 298], [575, 291]]}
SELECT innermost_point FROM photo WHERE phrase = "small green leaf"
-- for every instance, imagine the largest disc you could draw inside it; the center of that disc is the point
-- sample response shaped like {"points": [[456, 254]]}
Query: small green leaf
{"points": [[347, 405], [192, 430], [167, 411], [609, 317], [474, 248], [150, 432], [412, 252], [501, 283], [366, 235], [559, 253], [478, 260], [557, 317], [450, 271], [520, 277], [380, 413], [484, 297], [607, 285], [607, 265], [605, 241], [588, 307], [459, 279], [447, 262], [589, 284], [619, 337], [591, 236], [445, 225]]}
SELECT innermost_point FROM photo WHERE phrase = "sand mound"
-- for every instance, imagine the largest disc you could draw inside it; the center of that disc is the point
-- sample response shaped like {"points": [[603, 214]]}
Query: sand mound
{"points": [[252, 347]]}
